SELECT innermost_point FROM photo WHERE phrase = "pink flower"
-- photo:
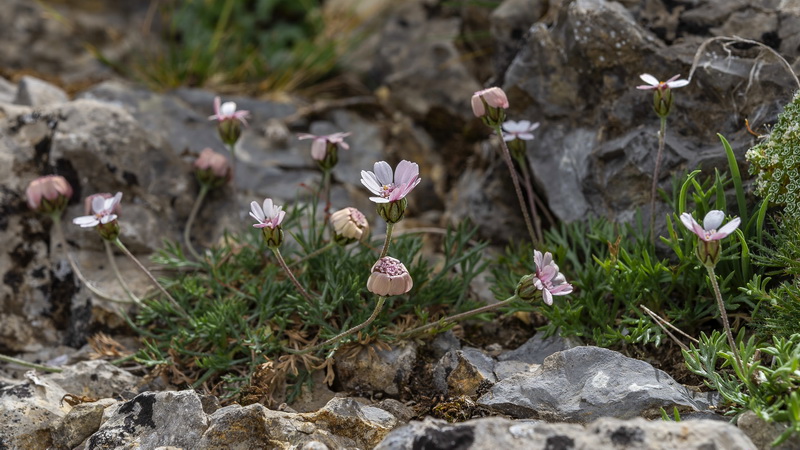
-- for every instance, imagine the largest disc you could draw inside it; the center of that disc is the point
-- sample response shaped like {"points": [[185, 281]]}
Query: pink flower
{"points": [[319, 148], [389, 277], [88, 201], [710, 231], [548, 279], [388, 186], [103, 210], [48, 193], [653, 83], [519, 130], [227, 111], [494, 98], [269, 216], [214, 162]]}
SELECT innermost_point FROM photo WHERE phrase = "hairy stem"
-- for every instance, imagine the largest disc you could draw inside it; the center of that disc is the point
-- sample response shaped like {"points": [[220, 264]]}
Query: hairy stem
{"points": [[515, 179], [724, 316], [385, 250], [661, 139], [172, 300], [187, 238], [456, 317], [291, 276], [12, 360], [113, 263], [526, 177], [344, 334]]}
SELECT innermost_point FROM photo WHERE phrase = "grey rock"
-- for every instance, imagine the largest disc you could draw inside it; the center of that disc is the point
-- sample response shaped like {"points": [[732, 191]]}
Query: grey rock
{"points": [[603, 434], [443, 343], [584, 383], [28, 410], [151, 420], [366, 425], [98, 378], [509, 23], [38, 93], [375, 369], [81, 421], [468, 371], [763, 433], [537, 348], [8, 91], [505, 369]]}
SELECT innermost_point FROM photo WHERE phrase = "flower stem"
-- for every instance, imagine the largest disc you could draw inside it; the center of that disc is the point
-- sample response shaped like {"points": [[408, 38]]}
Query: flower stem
{"points": [[12, 360], [232, 151], [326, 192], [117, 274], [456, 317], [296, 283], [385, 250], [724, 316], [526, 177], [316, 252], [661, 139], [74, 265], [343, 334], [507, 157], [174, 302], [187, 239]]}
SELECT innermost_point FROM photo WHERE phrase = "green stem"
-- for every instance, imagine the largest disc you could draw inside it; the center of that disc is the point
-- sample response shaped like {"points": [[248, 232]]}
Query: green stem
{"points": [[13, 360], [457, 317], [62, 241], [204, 188], [661, 139], [326, 189], [296, 283], [316, 252], [113, 263], [232, 150], [724, 316], [507, 157], [174, 302], [385, 250], [340, 336]]}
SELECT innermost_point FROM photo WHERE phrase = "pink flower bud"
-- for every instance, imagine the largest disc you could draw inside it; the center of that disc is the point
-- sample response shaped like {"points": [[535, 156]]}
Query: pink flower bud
{"points": [[48, 193], [349, 225], [212, 168], [494, 98], [389, 277]]}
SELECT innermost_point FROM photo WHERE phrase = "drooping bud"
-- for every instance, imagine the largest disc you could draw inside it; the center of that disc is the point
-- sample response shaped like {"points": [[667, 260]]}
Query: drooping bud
{"points": [[212, 168], [49, 194], [490, 105], [349, 225]]}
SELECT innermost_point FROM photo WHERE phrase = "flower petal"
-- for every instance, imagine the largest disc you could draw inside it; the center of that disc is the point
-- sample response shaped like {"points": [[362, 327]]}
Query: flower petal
{"points": [[256, 211], [713, 220], [86, 221], [677, 83], [383, 173], [547, 297], [729, 227], [649, 79], [379, 200], [370, 181], [406, 172], [269, 209]]}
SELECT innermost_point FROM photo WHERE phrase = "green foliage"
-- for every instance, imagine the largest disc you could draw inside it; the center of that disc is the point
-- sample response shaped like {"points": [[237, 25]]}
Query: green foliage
{"points": [[775, 161], [281, 44], [768, 383], [615, 268], [245, 312]]}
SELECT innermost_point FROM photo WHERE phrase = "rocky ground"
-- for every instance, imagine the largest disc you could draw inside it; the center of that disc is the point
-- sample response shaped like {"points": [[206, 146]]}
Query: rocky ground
{"points": [[571, 65]]}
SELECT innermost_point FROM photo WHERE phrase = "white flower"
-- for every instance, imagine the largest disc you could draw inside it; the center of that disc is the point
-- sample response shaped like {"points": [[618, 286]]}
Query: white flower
{"points": [[270, 215], [519, 130], [388, 186], [103, 209], [653, 83]]}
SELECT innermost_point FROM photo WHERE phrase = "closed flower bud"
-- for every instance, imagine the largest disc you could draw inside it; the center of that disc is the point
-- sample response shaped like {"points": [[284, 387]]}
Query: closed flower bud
{"points": [[49, 194], [273, 236], [229, 131], [349, 225], [212, 168], [489, 105], [527, 290], [109, 231], [389, 277]]}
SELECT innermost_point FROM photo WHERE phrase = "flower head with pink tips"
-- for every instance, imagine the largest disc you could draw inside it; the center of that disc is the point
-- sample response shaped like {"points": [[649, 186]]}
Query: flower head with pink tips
{"points": [[548, 278], [227, 111], [391, 186], [270, 215]]}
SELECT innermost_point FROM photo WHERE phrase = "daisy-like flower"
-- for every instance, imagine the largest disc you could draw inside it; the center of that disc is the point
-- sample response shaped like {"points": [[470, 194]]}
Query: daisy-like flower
{"points": [[546, 282], [48, 194], [391, 186], [227, 111], [270, 215], [322, 145], [102, 209], [519, 130], [229, 121], [654, 83], [389, 277], [709, 249]]}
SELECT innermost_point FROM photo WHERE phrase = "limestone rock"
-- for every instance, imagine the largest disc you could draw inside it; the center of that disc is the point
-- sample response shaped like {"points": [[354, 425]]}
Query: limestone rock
{"points": [[603, 434], [38, 93], [98, 379], [763, 433], [464, 372], [537, 348], [28, 410], [82, 421], [375, 369], [584, 383]]}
